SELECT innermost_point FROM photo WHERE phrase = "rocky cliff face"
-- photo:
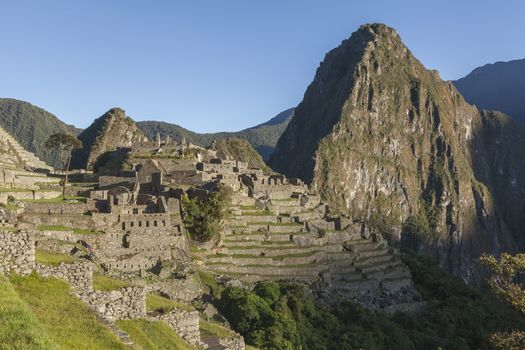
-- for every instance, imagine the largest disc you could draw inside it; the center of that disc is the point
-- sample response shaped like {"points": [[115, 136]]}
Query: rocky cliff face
{"points": [[112, 130], [386, 141]]}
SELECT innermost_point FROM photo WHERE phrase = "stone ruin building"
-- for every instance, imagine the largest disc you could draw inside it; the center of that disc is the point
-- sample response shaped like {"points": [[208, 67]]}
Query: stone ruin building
{"points": [[276, 228]]}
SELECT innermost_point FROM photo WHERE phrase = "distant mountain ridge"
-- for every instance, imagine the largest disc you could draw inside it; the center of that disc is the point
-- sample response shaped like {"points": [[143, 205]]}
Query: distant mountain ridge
{"points": [[499, 86], [31, 126], [262, 137]]}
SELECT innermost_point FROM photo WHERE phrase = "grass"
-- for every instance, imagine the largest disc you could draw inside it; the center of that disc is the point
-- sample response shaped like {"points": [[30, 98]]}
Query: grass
{"points": [[20, 329], [8, 228], [211, 283], [212, 328], [163, 305], [47, 257], [58, 200], [152, 335], [5, 189], [274, 248], [275, 223], [107, 283], [68, 321], [276, 257], [80, 231], [257, 213], [11, 206]]}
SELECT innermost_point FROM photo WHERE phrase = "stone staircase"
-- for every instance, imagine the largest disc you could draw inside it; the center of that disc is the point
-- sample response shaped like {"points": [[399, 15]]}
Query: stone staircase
{"points": [[289, 239], [25, 158]]}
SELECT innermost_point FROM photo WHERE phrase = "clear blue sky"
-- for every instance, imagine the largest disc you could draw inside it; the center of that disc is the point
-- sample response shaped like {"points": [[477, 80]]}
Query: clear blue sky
{"points": [[221, 65]]}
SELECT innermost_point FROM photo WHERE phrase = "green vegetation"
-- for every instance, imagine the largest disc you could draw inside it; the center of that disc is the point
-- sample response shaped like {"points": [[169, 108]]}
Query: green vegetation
{"points": [[283, 316], [67, 320], [107, 283], [211, 284], [213, 328], [158, 303], [47, 257], [31, 127], [10, 206], [20, 329], [262, 137], [203, 217], [63, 143], [239, 149], [152, 335], [80, 231], [59, 199]]}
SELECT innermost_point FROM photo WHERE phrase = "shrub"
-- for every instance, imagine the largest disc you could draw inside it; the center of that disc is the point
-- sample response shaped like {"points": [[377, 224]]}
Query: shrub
{"points": [[203, 217]]}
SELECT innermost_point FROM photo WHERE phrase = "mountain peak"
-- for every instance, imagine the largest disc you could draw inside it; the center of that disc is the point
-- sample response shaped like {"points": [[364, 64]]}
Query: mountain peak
{"points": [[108, 132], [386, 141]]}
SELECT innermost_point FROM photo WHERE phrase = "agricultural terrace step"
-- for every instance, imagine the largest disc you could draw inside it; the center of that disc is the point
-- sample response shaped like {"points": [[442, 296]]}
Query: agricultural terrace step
{"points": [[314, 257], [363, 254], [243, 243], [274, 251], [380, 266], [309, 271], [380, 258], [267, 236]]}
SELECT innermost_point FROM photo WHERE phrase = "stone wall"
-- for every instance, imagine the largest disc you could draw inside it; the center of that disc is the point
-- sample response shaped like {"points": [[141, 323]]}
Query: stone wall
{"points": [[29, 194], [184, 323], [126, 303], [17, 253], [79, 275], [233, 343], [55, 208], [29, 220]]}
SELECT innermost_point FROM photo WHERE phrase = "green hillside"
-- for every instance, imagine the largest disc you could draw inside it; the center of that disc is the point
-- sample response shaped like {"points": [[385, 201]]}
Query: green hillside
{"points": [[262, 137], [31, 126]]}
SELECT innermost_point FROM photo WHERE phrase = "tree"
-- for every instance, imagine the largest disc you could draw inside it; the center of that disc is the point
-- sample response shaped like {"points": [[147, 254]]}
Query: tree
{"points": [[64, 144], [504, 281], [203, 217]]}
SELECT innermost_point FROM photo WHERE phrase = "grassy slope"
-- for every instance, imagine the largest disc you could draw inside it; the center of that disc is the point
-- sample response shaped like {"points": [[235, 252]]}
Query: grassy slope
{"points": [[149, 335], [47, 257], [67, 321], [107, 283], [158, 303], [19, 327]]}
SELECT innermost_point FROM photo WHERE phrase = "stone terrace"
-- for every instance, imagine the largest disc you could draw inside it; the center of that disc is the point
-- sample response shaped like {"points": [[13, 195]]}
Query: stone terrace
{"points": [[289, 238]]}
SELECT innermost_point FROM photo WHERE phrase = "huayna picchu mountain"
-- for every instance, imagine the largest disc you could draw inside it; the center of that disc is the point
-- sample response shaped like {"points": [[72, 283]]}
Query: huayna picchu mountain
{"points": [[386, 141], [107, 133]]}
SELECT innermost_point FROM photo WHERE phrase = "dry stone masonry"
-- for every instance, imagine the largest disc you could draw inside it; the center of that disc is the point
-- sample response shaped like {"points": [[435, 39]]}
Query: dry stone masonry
{"points": [[17, 253]]}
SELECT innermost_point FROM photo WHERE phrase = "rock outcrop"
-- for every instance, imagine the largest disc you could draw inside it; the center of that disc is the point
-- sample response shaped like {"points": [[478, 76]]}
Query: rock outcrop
{"points": [[241, 150], [107, 133], [386, 141]]}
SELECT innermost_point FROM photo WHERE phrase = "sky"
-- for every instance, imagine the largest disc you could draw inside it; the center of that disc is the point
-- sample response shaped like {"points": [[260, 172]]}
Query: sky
{"points": [[222, 65]]}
